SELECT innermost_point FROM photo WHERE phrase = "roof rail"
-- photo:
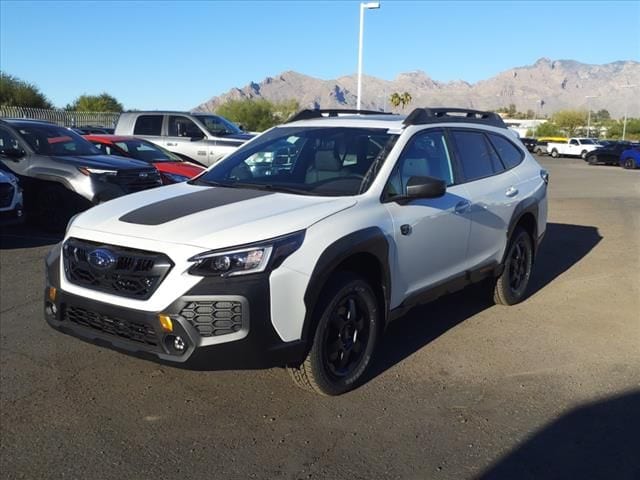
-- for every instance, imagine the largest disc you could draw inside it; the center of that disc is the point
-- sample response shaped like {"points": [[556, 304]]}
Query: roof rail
{"points": [[421, 116], [308, 114]]}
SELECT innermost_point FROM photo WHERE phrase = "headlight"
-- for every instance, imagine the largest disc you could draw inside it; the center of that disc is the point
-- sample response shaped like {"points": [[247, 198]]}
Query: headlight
{"points": [[96, 171], [248, 259], [175, 178]]}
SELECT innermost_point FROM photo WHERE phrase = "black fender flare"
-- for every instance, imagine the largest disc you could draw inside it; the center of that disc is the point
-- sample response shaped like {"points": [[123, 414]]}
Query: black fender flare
{"points": [[370, 240], [528, 205]]}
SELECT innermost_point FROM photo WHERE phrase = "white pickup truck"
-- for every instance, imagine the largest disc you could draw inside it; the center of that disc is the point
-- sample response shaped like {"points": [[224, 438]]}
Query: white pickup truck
{"points": [[577, 147]]}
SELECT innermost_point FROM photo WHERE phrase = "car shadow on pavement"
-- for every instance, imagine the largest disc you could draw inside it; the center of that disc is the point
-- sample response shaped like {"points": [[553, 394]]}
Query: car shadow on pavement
{"points": [[595, 441], [25, 236], [564, 246]]}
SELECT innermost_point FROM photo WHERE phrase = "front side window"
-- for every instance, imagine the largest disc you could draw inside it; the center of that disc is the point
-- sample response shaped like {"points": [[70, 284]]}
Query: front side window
{"points": [[7, 141], [148, 125], [508, 152], [477, 157], [183, 127], [425, 155], [54, 140], [325, 161]]}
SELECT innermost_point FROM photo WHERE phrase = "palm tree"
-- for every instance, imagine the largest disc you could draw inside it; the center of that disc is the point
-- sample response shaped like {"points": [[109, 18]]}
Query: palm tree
{"points": [[405, 98], [395, 99]]}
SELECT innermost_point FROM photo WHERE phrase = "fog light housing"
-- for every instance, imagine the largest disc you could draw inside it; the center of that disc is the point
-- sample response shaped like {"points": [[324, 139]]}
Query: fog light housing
{"points": [[175, 344], [178, 344], [51, 309]]}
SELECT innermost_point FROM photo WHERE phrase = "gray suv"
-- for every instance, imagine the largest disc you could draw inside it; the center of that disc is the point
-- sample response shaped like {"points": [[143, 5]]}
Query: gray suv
{"points": [[200, 137], [62, 173]]}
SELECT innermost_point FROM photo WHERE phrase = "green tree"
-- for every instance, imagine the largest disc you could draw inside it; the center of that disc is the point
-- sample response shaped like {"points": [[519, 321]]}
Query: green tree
{"points": [[547, 129], [396, 99], [18, 93], [570, 120], [95, 103], [257, 115], [601, 115]]}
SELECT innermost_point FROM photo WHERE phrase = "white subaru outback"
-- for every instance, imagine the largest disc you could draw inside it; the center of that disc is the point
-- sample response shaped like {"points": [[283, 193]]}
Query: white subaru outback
{"points": [[300, 247]]}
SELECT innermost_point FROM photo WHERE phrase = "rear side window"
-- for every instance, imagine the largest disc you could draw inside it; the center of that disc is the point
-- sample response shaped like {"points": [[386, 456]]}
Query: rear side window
{"points": [[509, 153], [148, 125], [477, 157]]}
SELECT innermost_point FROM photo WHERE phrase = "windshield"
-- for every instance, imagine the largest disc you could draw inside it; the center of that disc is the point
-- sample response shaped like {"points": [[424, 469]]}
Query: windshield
{"points": [[587, 141], [218, 125], [309, 161], [147, 151], [54, 140]]}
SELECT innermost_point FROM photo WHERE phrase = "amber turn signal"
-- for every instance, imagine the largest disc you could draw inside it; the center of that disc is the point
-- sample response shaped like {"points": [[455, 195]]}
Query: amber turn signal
{"points": [[52, 293], [165, 322]]}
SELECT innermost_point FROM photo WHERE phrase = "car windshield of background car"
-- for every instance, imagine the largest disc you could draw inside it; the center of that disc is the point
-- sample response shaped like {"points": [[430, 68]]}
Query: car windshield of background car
{"points": [[218, 125], [53, 140], [147, 151], [324, 161]]}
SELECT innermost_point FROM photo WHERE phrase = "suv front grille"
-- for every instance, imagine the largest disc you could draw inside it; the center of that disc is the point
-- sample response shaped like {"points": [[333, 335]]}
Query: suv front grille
{"points": [[112, 269], [137, 180], [136, 332], [6, 194], [212, 318]]}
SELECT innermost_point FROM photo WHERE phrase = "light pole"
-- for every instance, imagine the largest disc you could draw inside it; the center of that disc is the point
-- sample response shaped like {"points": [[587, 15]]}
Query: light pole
{"points": [[363, 7], [626, 105], [589, 97]]}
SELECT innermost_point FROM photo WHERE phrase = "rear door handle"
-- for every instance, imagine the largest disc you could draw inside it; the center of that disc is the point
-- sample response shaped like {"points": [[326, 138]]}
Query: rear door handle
{"points": [[511, 192], [462, 206]]}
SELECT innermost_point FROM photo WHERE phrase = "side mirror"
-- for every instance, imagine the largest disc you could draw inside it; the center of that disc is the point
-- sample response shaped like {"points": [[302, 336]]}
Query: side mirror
{"points": [[424, 187], [14, 154]]}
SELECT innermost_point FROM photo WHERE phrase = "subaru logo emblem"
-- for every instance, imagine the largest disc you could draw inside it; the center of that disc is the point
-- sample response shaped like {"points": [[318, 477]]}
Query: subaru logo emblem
{"points": [[101, 258]]}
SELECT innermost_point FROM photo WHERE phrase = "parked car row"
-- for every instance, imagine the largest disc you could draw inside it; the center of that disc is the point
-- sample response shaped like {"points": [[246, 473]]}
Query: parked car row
{"points": [[624, 154]]}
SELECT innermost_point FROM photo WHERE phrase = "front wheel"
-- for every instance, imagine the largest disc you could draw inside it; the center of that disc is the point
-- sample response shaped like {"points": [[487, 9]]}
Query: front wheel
{"points": [[348, 328], [592, 159], [583, 154], [554, 153], [629, 163], [511, 285]]}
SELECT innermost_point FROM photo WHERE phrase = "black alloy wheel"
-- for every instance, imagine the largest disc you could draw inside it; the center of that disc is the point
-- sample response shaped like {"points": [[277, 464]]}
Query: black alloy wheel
{"points": [[511, 286], [629, 164], [348, 327]]}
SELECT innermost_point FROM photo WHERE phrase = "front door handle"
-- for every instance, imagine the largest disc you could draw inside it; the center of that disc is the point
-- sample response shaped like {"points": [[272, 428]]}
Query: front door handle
{"points": [[462, 206], [511, 192]]}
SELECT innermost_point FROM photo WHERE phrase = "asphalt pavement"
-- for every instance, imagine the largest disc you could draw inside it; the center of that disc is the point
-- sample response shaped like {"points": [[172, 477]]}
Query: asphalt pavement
{"points": [[461, 388]]}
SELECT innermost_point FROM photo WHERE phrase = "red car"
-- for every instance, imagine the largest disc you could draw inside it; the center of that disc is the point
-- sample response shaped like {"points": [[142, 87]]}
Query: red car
{"points": [[172, 168]]}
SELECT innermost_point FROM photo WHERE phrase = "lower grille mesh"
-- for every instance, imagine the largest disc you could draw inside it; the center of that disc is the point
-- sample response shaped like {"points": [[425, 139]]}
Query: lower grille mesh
{"points": [[214, 318]]}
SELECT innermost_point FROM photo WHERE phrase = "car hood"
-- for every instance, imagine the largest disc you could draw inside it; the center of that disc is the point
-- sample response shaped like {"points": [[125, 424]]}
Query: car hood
{"points": [[102, 161], [208, 217]]}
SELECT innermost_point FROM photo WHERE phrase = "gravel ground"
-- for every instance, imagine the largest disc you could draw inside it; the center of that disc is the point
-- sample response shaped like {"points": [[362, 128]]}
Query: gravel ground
{"points": [[461, 388]]}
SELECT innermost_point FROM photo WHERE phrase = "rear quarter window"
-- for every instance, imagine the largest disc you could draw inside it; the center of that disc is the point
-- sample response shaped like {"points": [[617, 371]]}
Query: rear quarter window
{"points": [[148, 125], [477, 157], [508, 152]]}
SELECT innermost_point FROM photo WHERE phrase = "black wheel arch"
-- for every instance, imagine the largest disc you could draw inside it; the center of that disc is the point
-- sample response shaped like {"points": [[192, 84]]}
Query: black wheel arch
{"points": [[525, 215], [364, 252]]}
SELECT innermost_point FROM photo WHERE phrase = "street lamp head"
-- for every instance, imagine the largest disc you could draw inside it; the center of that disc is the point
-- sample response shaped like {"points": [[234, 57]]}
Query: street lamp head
{"points": [[371, 5]]}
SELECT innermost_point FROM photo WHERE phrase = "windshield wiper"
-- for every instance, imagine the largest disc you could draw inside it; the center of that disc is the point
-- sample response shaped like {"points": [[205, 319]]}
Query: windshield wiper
{"points": [[270, 187]]}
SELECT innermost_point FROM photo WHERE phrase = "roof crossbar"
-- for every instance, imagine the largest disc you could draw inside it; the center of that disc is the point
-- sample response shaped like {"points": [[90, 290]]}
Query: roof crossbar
{"points": [[308, 114], [422, 116]]}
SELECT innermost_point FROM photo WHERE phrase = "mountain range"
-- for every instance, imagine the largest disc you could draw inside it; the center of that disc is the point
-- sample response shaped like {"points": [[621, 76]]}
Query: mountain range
{"points": [[544, 87]]}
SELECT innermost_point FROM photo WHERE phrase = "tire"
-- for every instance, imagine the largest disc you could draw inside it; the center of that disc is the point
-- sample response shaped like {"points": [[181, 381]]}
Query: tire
{"points": [[554, 153], [511, 286], [592, 159], [345, 338], [583, 154], [628, 163], [54, 206]]}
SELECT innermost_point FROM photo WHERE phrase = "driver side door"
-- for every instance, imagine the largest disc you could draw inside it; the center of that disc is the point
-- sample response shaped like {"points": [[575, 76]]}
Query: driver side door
{"points": [[186, 138], [431, 235]]}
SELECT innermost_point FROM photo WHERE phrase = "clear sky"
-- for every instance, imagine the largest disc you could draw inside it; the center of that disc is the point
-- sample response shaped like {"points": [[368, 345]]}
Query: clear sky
{"points": [[178, 54]]}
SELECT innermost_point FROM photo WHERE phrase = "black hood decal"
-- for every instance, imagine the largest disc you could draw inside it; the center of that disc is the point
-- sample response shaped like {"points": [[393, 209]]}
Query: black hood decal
{"points": [[183, 205]]}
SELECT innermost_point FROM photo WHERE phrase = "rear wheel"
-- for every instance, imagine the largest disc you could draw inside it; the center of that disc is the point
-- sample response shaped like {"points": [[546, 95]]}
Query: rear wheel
{"points": [[345, 338], [629, 163], [554, 153], [511, 285]]}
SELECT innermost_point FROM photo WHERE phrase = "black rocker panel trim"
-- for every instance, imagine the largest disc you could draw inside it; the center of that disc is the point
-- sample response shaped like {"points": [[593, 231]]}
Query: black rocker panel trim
{"points": [[369, 240], [177, 207]]}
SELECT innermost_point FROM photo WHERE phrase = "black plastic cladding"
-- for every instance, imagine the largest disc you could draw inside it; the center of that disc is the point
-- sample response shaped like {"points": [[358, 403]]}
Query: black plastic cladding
{"points": [[422, 116]]}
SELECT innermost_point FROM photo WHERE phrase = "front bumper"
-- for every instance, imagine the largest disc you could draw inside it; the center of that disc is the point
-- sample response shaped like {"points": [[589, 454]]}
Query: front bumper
{"points": [[240, 334]]}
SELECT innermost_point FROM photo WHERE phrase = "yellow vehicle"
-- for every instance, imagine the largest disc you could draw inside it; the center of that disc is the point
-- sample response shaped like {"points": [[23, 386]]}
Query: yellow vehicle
{"points": [[541, 144]]}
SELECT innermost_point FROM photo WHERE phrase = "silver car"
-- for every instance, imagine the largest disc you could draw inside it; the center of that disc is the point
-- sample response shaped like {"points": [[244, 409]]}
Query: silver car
{"points": [[200, 137]]}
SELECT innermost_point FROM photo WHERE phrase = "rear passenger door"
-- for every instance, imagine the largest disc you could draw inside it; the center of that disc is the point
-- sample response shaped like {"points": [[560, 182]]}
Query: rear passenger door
{"points": [[430, 234], [493, 194], [149, 127]]}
